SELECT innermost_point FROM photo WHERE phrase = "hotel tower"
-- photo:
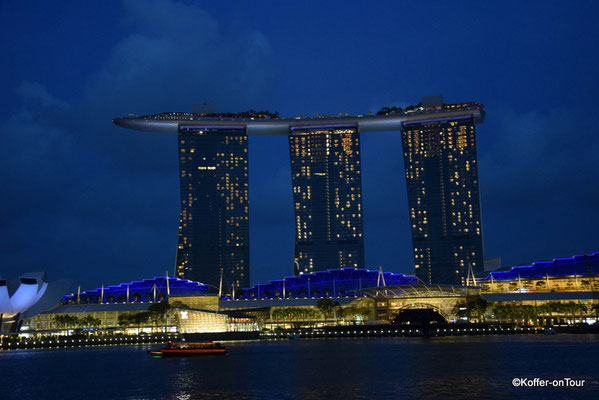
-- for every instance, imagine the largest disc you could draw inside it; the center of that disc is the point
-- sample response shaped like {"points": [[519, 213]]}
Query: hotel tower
{"points": [[214, 220], [327, 197], [441, 170], [439, 147]]}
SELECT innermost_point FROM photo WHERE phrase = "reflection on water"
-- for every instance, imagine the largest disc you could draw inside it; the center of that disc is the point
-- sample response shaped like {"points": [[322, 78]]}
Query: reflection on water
{"points": [[377, 368]]}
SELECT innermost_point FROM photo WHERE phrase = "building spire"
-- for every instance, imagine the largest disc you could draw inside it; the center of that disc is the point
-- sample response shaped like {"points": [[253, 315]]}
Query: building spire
{"points": [[470, 276], [220, 285], [168, 288], [381, 277]]}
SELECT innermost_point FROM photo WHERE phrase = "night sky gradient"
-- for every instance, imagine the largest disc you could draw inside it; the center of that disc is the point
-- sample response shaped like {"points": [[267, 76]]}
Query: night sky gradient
{"points": [[86, 200]]}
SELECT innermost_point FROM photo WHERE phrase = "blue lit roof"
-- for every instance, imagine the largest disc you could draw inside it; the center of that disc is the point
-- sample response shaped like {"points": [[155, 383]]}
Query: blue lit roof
{"points": [[576, 265], [331, 283], [143, 290]]}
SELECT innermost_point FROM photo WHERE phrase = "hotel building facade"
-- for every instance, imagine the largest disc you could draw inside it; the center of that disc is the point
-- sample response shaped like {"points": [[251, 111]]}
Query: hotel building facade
{"points": [[214, 220], [441, 170], [327, 197]]}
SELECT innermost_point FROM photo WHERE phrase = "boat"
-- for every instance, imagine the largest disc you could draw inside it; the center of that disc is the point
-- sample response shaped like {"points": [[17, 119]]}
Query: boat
{"points": [[185, 349]]}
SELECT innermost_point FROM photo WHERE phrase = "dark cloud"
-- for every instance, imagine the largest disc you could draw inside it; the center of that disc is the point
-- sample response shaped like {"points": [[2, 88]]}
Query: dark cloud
{"points": [[177, 55], [89, 200], [531, 155], [37, 154], [39, 103], [537, 173]]}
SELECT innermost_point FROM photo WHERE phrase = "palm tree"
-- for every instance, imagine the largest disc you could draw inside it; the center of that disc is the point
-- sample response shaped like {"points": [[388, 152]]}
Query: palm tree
{"points": [[67, 321], [124, 319], [460, 309], [477, 308], [328, 307], [506, 312], [141, 317], [61, 320], [540, 284], [160, 311], [90, 321]]}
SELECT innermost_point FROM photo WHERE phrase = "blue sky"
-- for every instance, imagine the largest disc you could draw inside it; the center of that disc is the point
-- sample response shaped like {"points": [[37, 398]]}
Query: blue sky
{"points": [[86, 200]]}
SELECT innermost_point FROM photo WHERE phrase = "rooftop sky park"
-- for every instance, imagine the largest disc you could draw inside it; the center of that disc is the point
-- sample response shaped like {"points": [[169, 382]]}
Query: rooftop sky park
{"points": [[268, 123]]}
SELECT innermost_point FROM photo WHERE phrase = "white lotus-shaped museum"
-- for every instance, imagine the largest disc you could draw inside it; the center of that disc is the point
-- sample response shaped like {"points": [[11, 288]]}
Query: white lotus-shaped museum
{"points": [[18, 295]]}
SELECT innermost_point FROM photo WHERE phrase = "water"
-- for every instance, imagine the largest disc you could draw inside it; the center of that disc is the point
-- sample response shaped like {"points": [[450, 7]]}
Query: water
{"points": [[480, 367]]}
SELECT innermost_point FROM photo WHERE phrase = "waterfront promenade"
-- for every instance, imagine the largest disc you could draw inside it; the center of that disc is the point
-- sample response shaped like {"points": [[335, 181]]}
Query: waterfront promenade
{"points": [[356, 331]]}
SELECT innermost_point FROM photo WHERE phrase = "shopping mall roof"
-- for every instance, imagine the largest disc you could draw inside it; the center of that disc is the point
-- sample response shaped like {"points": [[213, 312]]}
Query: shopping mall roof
{"points": [[577, 265], [144, 290], [332, 283]]}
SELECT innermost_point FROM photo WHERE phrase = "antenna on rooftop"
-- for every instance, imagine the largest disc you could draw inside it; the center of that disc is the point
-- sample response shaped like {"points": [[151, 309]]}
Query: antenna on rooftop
{"points": [[470, 274], [168, 288], [220, 285], [381, 277]]}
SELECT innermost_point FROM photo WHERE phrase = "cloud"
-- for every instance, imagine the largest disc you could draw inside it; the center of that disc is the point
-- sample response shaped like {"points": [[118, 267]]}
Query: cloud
{"points": [[177, 56], [168, 64], [39, 103], [532, 156], [537, 172], [36, 155], [85, 198]]}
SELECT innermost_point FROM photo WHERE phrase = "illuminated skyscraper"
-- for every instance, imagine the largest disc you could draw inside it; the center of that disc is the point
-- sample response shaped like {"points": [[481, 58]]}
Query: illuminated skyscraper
{"points": [[327, 196], [441, 170], [443, 196], [214, 223]]}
